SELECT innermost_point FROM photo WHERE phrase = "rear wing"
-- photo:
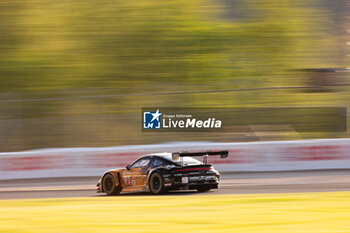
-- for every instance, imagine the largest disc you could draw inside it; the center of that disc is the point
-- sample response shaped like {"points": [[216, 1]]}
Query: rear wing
{"points": [[177, 155]]}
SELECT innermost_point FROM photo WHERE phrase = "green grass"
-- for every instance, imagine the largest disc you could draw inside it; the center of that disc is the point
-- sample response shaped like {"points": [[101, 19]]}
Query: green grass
{"points": [[311, 212]]}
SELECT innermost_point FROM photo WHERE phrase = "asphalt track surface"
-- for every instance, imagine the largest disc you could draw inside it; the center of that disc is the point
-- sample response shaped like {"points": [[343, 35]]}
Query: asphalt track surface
{"points": [[233, 183]]}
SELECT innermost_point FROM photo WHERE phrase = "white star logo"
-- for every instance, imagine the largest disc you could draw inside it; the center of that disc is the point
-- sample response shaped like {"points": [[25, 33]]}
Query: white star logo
{"points": [[156, 115]]}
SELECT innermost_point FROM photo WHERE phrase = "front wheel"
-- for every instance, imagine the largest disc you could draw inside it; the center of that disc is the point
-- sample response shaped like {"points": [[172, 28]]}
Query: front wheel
{"points": [[156, 183], [108, 185]]}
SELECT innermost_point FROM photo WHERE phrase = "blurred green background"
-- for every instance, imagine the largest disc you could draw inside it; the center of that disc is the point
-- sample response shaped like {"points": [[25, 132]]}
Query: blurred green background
{"points": [[77, 73]]}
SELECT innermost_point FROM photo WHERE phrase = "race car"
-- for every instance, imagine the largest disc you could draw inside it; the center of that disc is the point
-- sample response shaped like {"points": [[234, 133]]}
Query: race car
{"points": [[162, 172]]}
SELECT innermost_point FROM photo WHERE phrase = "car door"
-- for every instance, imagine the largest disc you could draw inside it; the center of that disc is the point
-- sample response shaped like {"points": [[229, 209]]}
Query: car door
{"points": [[136, 177]]}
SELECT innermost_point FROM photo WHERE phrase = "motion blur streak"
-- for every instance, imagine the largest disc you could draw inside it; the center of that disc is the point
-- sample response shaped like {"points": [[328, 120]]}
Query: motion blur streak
{"points": [[308, 212], [77, 73]]}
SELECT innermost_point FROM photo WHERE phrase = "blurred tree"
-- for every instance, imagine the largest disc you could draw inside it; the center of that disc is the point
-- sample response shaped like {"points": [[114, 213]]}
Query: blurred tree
{"points": [[50, 45], [66, 48]]}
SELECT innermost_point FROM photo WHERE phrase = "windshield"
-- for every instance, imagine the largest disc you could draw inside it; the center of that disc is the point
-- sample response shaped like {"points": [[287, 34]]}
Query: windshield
{"points": [[187, 161]]}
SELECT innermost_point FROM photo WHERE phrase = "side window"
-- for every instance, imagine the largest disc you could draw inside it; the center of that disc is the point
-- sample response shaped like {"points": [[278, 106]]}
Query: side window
{"points": [[158, 163], [144, 162], [136, 164], [141, 163]]}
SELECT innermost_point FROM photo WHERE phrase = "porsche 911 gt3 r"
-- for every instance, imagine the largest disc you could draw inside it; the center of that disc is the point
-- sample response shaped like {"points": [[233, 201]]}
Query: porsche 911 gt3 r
{"points": [[162, 172]]}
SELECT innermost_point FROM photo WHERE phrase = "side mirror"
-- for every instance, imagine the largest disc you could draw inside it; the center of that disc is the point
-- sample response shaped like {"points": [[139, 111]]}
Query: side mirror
{"points": [[128, 167]]}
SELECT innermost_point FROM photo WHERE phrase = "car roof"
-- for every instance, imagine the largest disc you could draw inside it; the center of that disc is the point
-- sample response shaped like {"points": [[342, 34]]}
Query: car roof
{"points": [[164, 155]]}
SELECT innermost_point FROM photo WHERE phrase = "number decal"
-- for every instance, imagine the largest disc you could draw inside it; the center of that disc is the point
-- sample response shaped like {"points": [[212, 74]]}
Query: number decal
{"points": [[127, 180]]}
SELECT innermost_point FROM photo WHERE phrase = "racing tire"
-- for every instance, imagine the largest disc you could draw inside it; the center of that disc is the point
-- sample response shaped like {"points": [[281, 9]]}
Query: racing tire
{"points": [[108, 185], [203, 189], [156, 183]]}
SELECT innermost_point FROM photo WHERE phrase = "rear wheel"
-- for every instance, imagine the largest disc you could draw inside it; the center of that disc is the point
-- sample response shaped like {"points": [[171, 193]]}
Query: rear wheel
{"points": [[203, 189], [156, 183], [108, 185]]}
